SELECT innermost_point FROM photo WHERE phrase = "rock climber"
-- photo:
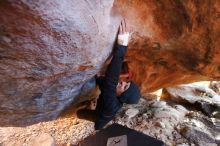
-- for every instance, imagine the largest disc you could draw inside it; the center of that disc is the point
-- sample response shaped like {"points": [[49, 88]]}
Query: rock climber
{"points": [[125, 75], [113, 91]]}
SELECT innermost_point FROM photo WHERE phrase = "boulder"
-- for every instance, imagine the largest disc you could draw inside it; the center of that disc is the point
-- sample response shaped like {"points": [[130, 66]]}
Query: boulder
{"points": [[132, 112], [158, 104], [199, 136], [49, 50], [191, 93], [169, 113], [199, 96]]}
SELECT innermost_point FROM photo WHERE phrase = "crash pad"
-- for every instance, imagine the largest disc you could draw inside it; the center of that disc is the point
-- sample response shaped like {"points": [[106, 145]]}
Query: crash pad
{"points": [[134, 138]]}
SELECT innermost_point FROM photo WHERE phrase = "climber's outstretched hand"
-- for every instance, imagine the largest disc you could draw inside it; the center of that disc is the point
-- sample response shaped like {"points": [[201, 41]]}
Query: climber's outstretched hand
{"points": [[123, 36]]}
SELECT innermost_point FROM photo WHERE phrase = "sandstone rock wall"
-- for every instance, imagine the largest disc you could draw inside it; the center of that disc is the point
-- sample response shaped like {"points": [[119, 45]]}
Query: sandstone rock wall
{"points": [[174, 41], [49, 49]]}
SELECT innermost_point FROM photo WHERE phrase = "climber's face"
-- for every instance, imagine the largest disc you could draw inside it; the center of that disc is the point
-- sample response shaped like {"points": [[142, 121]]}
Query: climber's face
{"points": [[122, 87]]}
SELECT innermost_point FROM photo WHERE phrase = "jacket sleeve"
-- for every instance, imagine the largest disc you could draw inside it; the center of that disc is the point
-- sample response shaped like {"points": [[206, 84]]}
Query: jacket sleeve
{"points": [[100, 81], [112, 77]]}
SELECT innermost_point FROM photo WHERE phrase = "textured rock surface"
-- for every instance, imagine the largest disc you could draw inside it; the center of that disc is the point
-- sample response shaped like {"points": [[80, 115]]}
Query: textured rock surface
{"points": [[196, 95], [200, 129], [131, 112], [192, 93], [174, 41], [202, 123], [149, 120], [49, 49], [43, 139]]}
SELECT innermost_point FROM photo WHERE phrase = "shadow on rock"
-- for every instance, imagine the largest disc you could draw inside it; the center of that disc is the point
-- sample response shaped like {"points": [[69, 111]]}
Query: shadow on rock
{"points": [[87, 114]]}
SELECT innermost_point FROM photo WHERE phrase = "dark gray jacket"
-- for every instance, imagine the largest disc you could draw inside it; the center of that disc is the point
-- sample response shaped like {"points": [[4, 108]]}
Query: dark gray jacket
{"points": [[108, 103]]}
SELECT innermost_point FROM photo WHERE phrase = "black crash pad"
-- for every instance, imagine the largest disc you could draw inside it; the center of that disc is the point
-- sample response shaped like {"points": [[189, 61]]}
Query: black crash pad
{"points": [[134, 138]]}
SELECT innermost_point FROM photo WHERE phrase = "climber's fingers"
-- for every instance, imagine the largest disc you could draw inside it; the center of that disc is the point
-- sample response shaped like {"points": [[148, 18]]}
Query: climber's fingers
{"points": [[120, 28], [123, 36], [123, 26]]}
